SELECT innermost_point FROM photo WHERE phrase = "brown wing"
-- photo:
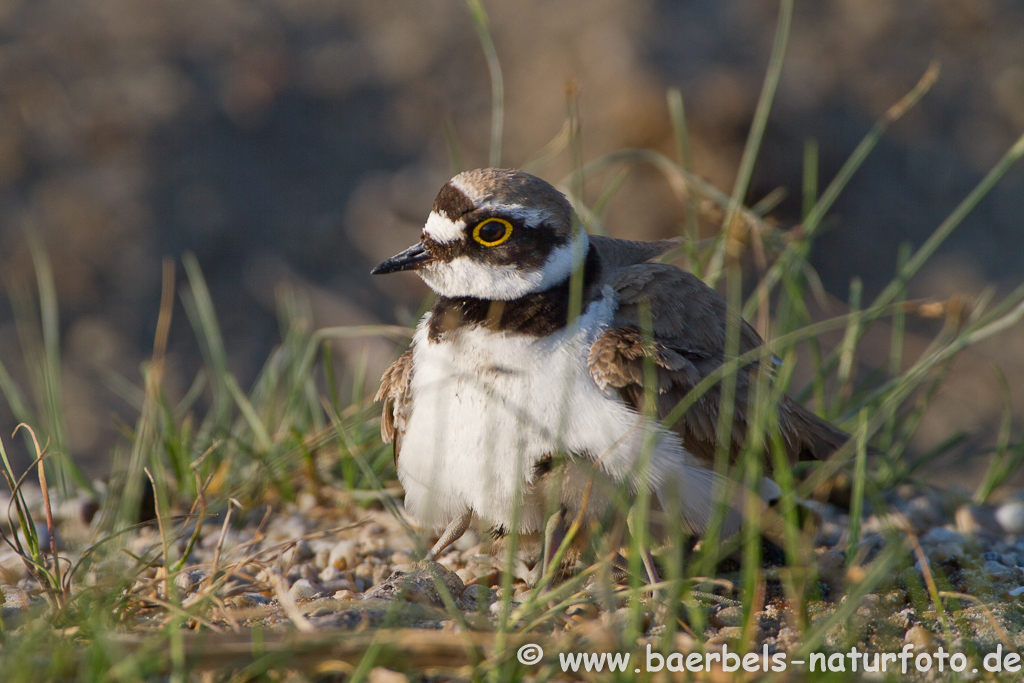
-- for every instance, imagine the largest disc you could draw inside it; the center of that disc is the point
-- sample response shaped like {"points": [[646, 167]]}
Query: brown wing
{"points": [[394, 391], [688, 321]]}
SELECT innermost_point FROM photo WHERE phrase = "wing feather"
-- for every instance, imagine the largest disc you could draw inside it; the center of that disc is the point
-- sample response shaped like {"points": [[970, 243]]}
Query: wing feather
{"points": [[688, 321], [394, 392]]}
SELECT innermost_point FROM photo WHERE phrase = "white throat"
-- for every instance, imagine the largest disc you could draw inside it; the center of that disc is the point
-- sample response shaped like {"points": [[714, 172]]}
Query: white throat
{"points": [[464, 276]]}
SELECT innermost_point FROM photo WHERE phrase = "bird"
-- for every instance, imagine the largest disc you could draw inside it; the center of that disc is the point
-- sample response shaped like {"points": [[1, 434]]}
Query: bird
{"points": [[511, 401]]}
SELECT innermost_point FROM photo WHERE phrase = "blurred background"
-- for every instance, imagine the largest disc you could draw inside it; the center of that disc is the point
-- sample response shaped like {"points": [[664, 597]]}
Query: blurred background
{"points": [[302, 141]]}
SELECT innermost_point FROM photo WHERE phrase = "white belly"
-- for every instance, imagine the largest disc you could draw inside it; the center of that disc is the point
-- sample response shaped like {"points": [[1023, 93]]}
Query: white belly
{"points": [[488, 406]]}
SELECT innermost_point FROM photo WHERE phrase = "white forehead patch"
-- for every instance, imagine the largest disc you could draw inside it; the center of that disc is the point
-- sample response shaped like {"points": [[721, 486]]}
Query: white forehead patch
{"points": [[443, 230], [528, 216]]}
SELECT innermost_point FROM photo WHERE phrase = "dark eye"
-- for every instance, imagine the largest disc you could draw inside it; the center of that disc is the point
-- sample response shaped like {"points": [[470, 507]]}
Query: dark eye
{"points": [[492, 231]]}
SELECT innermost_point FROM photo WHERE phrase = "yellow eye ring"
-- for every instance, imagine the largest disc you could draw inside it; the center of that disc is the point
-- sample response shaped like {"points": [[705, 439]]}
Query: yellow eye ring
{"points": [[492, 243]]}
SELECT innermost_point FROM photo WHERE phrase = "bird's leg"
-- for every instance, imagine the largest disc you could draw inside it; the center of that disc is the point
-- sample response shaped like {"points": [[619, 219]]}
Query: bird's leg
{"points": [[649, 566], [554, 534], [452, 533]]}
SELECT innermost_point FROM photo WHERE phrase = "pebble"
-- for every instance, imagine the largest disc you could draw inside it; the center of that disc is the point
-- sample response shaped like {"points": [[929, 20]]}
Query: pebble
{"points": [[997, 571], [830, 533], [940, 534], [248, 600], [944, 552], [496, 607], [303, 550], [731, 615], [416, 584], [343, 555], [379, 674], [972, 520], [303, 589], [308, 572], [336, 585], [869, 605], [923, 512], [726, 634], [15, 601], [188, 581], [581, 611], [476, 596], [789, 639], [918, 636], [905, 618], [322, 558], [1011, 517], [871, 546]]}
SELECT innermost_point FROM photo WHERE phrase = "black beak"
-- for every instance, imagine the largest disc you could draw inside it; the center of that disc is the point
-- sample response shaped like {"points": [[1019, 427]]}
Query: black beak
{"points": [[413, 258]]}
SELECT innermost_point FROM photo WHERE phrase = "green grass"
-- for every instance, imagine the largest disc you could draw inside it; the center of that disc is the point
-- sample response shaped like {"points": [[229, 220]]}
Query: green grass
{"points": [[224, 451]]}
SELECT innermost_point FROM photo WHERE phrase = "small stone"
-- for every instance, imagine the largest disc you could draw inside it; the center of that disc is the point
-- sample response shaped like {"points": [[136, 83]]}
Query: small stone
{"points": [[726, 634], [379, 674], [994, 557], [308, 571], [582, 610], [1019, 590], [305, 501], [1010, 517], [940, 534], [997, 571], [247, 600], [870, 546], [894, 598], [303, 589], [336, 585], [345, 594], [685, 643], [476, 596], [789, 639], [188, 581], [343, 555], [496, 607], [923, 513], [868, 605], [731, 615], [417, 585], [905, 618], [830, 533], [15, 601], [974, 519], [401, 557], [329, 573], [322, 558], [303, 550], [945, 552], [918, 636], [831, 565]]}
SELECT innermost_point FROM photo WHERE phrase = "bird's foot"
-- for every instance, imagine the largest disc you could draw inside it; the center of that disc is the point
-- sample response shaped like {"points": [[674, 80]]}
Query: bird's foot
{"points": [[452, 533]]}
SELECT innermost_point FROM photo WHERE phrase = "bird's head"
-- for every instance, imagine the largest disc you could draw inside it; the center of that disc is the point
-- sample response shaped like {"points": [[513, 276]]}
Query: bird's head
{"points": [[494, 234]]}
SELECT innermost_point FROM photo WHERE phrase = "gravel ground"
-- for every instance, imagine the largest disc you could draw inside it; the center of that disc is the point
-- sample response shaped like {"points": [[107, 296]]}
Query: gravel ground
{"points": [[326, 564]]}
